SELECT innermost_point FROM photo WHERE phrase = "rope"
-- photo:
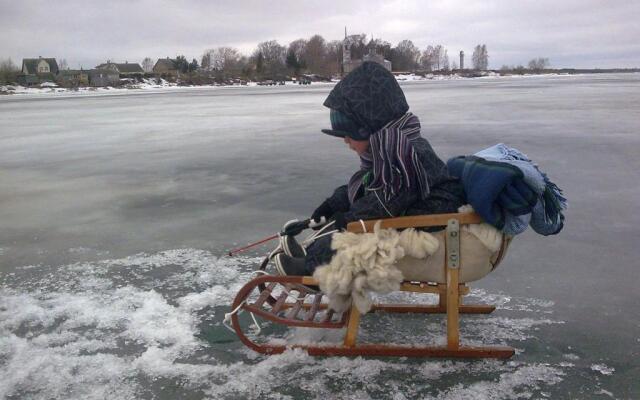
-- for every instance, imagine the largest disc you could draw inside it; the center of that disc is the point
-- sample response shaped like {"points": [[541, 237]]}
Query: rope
{"points": [[232, 252], [318, 234], [227, 318], [364, 227], [382, 203]]}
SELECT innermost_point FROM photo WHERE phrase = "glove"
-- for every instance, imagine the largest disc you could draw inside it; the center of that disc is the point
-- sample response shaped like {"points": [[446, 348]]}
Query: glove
{"points": [[294, 228], [324, 210], [339, 222]]}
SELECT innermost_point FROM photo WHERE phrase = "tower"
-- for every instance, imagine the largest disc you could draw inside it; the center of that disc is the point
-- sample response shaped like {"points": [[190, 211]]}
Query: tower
{"points": [[346, 49], [346, 54], [461, 60]]}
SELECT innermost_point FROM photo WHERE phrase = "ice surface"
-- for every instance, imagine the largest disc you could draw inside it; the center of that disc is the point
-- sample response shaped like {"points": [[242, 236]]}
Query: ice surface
{"points": [[96, 188], [125, 328]]}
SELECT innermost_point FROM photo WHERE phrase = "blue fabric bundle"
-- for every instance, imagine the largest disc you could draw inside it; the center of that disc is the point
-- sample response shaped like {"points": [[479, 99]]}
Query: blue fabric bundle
{"points": [[509, 191]]}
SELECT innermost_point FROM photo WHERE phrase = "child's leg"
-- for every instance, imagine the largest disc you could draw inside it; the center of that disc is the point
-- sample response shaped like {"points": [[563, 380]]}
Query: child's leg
{"points": [[318, 253]]}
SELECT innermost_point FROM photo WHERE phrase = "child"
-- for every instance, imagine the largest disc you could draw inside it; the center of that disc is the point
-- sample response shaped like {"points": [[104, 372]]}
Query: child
{"points": [[399, 174]]}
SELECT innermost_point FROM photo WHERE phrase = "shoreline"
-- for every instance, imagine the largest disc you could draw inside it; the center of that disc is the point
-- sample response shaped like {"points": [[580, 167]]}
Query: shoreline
{"points": [[10, 91]]}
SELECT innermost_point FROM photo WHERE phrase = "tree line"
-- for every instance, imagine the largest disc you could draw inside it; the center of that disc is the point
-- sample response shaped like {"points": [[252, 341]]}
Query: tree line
{"points": [[315, 55], [318, 56]]}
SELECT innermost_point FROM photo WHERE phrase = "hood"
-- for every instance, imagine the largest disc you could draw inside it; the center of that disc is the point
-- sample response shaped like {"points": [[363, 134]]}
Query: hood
{"points": [[370, 96]]}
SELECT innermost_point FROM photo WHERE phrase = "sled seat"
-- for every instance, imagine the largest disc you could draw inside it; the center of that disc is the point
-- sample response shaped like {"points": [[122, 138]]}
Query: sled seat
{"points": [[475, 259]]}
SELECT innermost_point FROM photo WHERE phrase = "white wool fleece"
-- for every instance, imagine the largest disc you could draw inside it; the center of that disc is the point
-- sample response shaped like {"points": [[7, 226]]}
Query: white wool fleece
{"points": [[366, 262], [487, 234]]}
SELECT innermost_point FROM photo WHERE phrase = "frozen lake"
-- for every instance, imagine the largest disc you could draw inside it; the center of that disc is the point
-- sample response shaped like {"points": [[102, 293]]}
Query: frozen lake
{"points": [[115, 209]]}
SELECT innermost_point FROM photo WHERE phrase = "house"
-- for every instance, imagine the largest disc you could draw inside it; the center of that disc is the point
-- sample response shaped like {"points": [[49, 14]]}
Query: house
{"points": [[73, 77], [124, 70], [349, 64], [103, 77], [166, 67], [372, 56], [38, 70]]}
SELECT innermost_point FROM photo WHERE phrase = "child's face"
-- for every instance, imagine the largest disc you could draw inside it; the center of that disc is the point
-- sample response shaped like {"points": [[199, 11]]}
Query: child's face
{"points": [[359, 146]]}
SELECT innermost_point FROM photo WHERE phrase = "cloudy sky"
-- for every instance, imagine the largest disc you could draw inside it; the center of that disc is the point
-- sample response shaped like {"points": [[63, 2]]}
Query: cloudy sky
{"points": [[572, 33]]}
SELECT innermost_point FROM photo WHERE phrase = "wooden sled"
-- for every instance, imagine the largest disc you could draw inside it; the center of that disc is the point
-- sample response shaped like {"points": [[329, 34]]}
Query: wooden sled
{"points": [[289, 300]]}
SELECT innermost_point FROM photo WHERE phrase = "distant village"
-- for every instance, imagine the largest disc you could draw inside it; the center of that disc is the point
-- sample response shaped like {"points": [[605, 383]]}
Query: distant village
{"points": [[303, 61], [36, 71], [43, 71]]}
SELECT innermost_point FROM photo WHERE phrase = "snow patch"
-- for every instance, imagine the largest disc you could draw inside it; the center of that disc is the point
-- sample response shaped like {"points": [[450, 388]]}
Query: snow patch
{"points": [[129, 327], [603, 369]]}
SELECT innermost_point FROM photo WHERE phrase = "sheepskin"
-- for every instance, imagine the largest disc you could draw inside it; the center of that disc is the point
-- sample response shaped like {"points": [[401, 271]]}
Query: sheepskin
{"points": [[487, 234], [366, 262]]}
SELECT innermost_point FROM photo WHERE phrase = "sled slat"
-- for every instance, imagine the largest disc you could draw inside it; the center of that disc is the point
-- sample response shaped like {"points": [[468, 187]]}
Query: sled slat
{"points": [[327, 316], [265, 294], [294, 310], [279, 303], [314, 307]]}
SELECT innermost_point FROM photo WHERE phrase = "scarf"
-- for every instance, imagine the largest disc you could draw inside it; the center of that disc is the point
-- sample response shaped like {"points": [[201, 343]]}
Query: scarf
{"points": [[392, 160]]}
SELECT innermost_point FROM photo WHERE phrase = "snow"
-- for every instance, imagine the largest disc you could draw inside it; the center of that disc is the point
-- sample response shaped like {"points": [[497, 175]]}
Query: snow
{"points": [[151, 85], [603, 369], [92, 329], [147, 85]]}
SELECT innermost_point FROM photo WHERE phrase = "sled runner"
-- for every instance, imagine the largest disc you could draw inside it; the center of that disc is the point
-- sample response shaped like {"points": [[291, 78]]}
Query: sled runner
{"points": [[295, 301]]}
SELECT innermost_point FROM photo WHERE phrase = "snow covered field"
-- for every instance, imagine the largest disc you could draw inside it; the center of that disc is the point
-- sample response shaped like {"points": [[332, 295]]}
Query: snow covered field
{"points": [[117, 210], [50, 88]]}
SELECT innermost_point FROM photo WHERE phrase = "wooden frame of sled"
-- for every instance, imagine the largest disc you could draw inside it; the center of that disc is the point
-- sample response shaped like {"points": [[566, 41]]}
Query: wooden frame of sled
{"points": [[308, 310]]}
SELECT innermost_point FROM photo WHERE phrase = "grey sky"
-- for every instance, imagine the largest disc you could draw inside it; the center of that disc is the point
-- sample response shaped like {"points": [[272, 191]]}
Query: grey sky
{"points": [[586, 33]]}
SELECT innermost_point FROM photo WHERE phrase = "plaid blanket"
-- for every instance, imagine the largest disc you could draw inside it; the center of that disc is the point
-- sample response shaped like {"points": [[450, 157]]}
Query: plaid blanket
{"points": [[509, 190], [493, 188]]}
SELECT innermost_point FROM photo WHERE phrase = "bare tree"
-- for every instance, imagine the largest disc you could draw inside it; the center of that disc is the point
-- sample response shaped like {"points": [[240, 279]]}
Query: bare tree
{"points": [[147, 64], [8, 71], [269, 59], [538, 64], [334, 57], [445, 61], [480, 58], [62, 65], [475, 58], [454, 66], [227, 62], [438, 53], [205, 61], [295, 56], [434, 58], [485, 57], [405, 56], [315, 55], [225, 58], [426, 60]]}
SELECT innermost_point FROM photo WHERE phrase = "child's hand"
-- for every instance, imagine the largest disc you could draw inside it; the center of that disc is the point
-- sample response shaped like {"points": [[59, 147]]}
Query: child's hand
{"points": [[324, 210]]}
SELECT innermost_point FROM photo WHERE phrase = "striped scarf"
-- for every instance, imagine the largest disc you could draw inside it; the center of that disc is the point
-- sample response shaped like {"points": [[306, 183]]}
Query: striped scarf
{"points": [[392, 160]]}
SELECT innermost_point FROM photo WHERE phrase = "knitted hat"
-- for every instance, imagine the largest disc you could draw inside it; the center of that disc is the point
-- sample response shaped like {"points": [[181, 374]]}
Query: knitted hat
{"points": [[342, 126]]}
